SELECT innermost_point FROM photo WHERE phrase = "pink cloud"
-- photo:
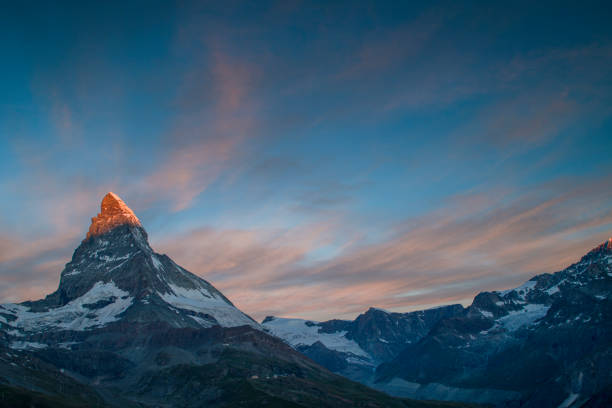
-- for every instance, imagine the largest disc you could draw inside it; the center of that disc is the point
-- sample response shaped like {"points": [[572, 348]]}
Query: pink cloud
{"points": [[475, 242], [203, 143], [449, 255]]}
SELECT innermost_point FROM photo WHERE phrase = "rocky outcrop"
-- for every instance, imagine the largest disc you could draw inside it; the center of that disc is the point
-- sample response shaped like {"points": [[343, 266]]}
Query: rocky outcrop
{"points": [[113, 212]]}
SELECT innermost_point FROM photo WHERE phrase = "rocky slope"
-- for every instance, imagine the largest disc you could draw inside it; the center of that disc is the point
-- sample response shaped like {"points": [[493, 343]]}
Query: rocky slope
{"points": [[128, 327]]}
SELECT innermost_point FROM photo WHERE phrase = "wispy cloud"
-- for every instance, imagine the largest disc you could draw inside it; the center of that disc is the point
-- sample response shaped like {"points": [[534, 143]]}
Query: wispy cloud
{"points": [[30, 268], [476, 242], [219, 117]]}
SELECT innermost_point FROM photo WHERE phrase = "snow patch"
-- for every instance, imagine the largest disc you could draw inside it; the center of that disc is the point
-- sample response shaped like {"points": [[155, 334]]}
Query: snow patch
{"points": [[569, 400], [202, 301], [156, 263], [524, 317], [116, 266], [74, 315], [72, 273], [364, 361], [522, 290], [67, 345], [296, 332], [107, 258], [485, 313], [140, 239], [24, 345]]}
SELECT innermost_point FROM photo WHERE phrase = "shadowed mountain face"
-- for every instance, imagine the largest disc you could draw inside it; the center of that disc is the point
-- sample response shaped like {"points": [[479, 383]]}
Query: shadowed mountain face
{"points": [[128, 327]]}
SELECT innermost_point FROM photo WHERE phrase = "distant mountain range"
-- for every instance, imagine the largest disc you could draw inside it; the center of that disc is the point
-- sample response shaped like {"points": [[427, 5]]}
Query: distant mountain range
{"points": [[128, 327], [547, 343], [355, 348]]}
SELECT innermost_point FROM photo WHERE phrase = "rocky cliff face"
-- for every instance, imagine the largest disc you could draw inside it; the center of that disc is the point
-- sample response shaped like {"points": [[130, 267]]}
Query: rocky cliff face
{"points": [[129, 327], [384, 334]]}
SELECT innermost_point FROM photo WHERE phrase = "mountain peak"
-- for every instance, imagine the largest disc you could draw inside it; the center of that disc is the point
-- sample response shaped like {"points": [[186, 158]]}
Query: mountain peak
{"points": [[607, 245], [113, 212]]}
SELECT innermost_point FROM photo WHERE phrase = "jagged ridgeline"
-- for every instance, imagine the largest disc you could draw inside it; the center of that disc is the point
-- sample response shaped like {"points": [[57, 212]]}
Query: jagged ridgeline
{"points": [[546, 343], [128, 327]]}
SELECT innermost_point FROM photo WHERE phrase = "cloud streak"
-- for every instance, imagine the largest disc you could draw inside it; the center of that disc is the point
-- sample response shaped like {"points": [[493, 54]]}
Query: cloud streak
{"points": [[220, 116], [474, 243]]}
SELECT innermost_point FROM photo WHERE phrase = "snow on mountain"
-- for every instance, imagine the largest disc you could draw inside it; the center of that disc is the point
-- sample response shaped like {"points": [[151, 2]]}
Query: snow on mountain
{"points": [[521, 291], [524, 317], [298, 332], [101, 305], [204, 302]]}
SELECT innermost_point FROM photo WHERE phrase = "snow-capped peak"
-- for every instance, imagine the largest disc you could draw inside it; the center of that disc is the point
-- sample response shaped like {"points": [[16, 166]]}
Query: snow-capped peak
{"points": [[149, 287], [113, 212]]}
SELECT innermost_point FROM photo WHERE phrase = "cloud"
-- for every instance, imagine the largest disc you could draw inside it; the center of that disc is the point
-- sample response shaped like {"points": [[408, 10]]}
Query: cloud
{"points": [[30, 268], [246, 258], [479, 241], [384, 49], [540, 94], [218, 117]]}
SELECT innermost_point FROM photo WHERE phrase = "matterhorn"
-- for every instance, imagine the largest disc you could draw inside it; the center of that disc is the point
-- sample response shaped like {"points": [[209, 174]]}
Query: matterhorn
{"points": [[115, 275], [128, 327]]}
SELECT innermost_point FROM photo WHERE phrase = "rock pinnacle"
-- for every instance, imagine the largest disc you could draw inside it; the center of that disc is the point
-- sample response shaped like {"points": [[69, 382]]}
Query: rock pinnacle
{"points": [[113, 212]]}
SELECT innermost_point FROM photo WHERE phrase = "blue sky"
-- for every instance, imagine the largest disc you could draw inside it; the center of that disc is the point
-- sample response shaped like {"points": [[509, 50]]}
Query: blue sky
{"points": [[310, 159]]}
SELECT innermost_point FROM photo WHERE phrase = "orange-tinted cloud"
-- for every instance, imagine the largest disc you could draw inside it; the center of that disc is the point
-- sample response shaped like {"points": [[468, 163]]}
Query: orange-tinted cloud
{"points": [[474, 243], [220, 116]]}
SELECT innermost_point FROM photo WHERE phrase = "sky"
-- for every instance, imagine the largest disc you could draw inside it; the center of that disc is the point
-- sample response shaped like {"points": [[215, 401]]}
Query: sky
{"points": [[310, 159]]}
